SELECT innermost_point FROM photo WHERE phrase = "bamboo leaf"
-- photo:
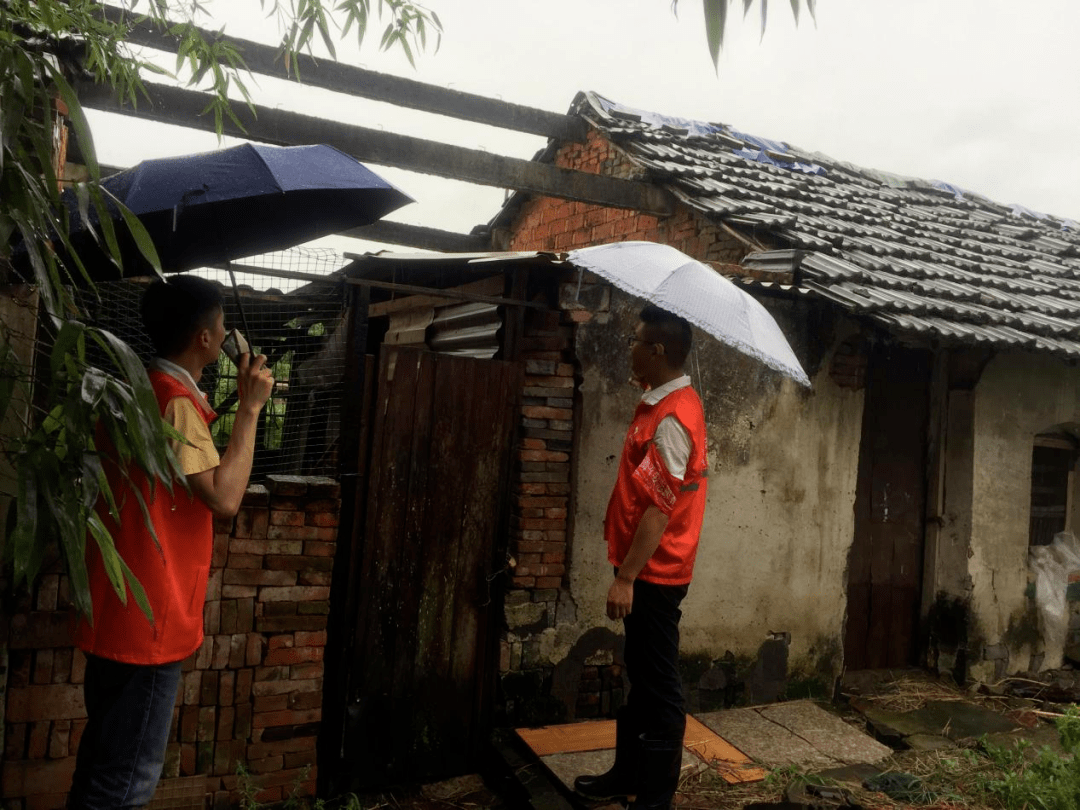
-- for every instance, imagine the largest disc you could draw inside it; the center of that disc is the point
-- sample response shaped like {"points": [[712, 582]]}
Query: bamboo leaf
{"points": [[715, 22], [110, 559], [765, 15], [795, 10]]}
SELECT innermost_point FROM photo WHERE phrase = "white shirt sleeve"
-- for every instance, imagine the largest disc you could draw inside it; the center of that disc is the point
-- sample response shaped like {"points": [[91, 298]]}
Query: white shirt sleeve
{"points": [[673, 443]]}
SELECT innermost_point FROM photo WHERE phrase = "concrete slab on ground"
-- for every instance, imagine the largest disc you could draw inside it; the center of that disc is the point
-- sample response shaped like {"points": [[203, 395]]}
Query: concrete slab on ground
{"points": [[826, 732], [768, 740]]}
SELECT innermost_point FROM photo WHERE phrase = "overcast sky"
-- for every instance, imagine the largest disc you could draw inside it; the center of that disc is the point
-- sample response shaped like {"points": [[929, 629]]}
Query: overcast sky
{"points": [[979, 93]]}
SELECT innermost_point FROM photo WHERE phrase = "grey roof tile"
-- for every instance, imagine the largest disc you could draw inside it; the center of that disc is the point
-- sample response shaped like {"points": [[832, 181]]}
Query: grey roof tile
{"points": [[913, 256]]}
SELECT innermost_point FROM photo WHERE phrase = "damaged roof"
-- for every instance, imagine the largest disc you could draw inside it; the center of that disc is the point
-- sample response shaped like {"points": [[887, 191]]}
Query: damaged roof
{"points": [[916, 256]]}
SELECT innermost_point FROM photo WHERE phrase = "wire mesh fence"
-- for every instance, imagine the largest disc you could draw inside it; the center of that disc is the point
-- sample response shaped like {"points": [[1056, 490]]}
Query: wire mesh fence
{"points": [[301, 328]]}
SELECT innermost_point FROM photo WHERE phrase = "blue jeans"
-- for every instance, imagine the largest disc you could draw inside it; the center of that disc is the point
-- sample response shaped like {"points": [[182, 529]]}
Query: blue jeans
{"points": [[122, 751]]}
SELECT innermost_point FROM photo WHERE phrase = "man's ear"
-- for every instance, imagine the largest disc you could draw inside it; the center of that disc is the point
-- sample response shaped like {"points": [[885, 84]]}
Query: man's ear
{"points": [[203, 337], [660, 349]]}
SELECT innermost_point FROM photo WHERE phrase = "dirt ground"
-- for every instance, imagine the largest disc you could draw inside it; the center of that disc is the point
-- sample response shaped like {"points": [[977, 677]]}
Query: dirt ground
{"points": [[952, 777]]}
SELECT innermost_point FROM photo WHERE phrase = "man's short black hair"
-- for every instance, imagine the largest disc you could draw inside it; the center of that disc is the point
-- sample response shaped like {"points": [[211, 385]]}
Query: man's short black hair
{"points": [[174, 310], [671, 330]]}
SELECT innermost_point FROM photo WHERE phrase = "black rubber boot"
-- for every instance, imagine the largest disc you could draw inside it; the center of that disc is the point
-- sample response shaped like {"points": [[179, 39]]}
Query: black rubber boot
{"points": [[621, 781], [661, 764]]}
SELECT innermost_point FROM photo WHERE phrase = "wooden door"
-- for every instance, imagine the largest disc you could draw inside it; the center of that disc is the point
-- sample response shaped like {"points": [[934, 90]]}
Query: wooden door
{"points": [[885, 565], [425, 644]]}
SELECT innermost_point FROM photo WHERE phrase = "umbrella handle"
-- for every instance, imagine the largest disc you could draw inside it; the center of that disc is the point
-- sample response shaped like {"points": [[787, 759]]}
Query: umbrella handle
{"points": [[240, 306]]}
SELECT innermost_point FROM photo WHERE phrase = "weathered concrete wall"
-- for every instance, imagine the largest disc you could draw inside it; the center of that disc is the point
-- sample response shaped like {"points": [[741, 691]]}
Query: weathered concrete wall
{"points": [[1019, 396], [779, 519]]}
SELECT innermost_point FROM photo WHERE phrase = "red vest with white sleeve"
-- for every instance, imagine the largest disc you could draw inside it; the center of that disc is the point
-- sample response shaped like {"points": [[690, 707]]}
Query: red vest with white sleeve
{"points": [[644, 481]]}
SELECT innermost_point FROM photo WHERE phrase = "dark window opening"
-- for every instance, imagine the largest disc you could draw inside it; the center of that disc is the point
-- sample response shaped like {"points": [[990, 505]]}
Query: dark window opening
{"points": [[1052, 461]]}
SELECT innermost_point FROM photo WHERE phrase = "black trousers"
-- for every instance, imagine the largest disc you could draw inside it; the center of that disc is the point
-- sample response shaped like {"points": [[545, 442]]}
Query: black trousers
{"points": [[655, 707]]}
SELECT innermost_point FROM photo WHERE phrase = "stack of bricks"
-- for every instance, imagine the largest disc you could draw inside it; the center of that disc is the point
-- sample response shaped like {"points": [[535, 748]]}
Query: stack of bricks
{"points": [[250, 696], [543, 458], [544, 223]]}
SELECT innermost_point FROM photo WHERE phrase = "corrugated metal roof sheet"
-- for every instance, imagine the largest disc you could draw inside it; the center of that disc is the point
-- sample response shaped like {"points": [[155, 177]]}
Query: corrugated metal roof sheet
{"points": [[919, 256]]}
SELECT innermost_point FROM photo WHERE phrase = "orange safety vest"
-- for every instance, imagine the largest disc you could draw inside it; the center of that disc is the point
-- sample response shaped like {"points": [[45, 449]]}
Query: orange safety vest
{"points": [[174, 576], [643, 481]]}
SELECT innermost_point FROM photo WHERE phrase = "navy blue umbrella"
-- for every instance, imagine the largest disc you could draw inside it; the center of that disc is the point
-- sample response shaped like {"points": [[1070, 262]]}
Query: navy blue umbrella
{"points": [[213, 207]]}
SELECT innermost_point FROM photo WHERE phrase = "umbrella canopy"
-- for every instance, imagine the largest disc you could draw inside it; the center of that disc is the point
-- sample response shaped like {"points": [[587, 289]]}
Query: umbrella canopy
{"points": [[212, 207], [673, 281]]}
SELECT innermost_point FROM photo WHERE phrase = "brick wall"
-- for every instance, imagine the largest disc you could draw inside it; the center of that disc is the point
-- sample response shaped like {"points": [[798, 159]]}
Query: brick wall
{"points": [[544, 223], [251, 695]]}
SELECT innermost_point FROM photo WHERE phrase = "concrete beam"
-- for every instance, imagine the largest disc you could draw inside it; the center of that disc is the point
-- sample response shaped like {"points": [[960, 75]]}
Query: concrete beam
{"points": [[417, 236], [173, 105], [355, 81]]}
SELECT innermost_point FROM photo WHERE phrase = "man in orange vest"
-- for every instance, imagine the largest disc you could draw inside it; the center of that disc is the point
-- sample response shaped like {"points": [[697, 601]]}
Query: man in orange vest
{"points": [[652, 527], [132, 664]]}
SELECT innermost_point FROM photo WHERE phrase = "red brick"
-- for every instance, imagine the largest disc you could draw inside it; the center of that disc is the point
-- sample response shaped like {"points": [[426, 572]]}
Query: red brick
{"points": [[304, 700], [281, 747], [225, 719], [550, 381], [308, 639], [227, 688], [244, 679], [300, 672], [187, 759], [555, 512], [280, 518], [256, 645], [280, 641], [30, 778], [213, 585], [544, 412], [320, 549], [294, 594], [48, 590], [245, 561], [39, 740], [525, 582], [237, 591], [271, 546], [288, 717], [189, 724], [267, 765], [542, 502], [78, 666], [43, 667], [15, 740], [314, 578], [207, 723], [280, 687], [533, 444], [323, 519], [270, 703], [556, 557], [258, 577], [296, 655], [290, 535], [222, 648], [50, 702], [237, 650], [542, 455]]}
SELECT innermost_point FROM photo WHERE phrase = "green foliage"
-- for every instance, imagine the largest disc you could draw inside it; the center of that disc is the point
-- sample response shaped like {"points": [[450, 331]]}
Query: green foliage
{"points": [[716, 17], [1046, 781], [44, 46]]}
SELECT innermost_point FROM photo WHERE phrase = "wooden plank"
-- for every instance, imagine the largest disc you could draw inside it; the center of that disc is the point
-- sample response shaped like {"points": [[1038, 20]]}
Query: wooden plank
{"points": [[401, 92], [173, 105], [486, 286], [377, 619], [418, 236], [408, 695]]}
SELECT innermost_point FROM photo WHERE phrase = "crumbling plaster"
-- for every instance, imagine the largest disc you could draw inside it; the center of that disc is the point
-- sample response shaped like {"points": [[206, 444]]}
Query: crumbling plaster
{"points": [[1018, 396]]}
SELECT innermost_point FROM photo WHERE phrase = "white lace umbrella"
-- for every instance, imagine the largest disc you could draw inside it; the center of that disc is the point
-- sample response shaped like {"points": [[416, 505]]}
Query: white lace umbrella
{"points": [[673, 281]]}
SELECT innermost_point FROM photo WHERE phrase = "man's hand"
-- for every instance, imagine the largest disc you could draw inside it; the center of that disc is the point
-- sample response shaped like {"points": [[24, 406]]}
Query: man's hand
{"points": [[254, 383], [620, 599]]}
